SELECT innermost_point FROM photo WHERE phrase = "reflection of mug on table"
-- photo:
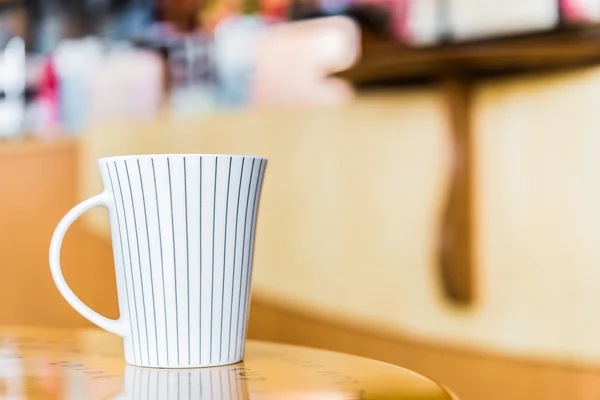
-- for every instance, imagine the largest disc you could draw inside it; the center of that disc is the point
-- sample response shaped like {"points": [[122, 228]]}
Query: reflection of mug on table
{"points": [[183, 237], [221, 383], [12, 384]]}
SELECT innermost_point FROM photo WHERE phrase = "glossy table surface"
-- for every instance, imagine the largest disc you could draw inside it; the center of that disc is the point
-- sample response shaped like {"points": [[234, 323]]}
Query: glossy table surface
{"points": [[88, 364]]}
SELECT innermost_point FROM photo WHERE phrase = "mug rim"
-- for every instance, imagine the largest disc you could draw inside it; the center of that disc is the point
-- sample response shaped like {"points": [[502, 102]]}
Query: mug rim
{"points": [[166, 155]]}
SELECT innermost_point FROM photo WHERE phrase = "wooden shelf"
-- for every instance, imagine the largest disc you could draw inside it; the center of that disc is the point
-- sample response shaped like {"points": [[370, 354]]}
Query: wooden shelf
{"points": [[388, 61]]}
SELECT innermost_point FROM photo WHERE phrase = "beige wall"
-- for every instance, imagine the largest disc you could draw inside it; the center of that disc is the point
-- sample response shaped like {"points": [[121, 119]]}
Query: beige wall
{"points": [[349, 215]]}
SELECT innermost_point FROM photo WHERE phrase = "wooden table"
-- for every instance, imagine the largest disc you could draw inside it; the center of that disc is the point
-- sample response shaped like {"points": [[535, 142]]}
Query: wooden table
{"points": [[89, 364]]}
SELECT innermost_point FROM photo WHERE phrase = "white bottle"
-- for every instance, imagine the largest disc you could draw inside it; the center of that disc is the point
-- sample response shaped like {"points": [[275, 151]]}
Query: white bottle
{"points": [[12, 83]]}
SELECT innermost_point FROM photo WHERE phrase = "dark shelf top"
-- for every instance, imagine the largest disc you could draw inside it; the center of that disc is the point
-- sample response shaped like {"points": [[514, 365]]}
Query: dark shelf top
{"points": [[390, 62]]}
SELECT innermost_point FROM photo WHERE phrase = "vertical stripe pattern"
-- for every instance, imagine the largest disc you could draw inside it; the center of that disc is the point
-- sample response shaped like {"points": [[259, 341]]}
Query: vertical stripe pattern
{"points": [[195, 384], [183, 230]]}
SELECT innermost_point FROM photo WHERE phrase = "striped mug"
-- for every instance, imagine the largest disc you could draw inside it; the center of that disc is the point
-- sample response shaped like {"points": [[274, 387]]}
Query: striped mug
{"points": [[183, 229]]}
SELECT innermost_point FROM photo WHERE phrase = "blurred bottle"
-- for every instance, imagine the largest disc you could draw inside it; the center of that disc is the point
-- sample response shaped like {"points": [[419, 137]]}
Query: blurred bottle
{"points": [[189, 73], [12, 88], [76, 62], [192, 88], [43, 113], [235, 55], [48, 23]]}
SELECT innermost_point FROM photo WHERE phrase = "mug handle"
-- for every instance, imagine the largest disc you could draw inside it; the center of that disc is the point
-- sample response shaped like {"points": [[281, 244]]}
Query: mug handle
{"points": [[115, 326]]}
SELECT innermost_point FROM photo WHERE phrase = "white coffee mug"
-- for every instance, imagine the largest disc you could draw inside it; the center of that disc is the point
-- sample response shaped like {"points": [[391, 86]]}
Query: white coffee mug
{"points": [[183, 229]]}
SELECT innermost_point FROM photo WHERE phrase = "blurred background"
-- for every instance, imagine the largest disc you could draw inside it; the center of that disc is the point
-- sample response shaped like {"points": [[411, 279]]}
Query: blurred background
{"points": [[433, 191]]}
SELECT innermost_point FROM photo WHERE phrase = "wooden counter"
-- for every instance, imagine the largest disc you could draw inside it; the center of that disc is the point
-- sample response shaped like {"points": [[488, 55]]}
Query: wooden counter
{"points": [[353, 197], [38, 185]]}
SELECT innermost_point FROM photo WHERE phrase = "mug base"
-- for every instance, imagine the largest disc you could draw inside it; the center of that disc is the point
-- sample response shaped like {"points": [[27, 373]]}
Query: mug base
{"points": [[186, 366]]}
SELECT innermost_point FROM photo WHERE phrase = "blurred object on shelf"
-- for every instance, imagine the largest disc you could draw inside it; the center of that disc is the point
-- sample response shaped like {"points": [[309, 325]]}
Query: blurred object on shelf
{"points": [[13, 19], [126, 20], [469, 19], [52, 21], [294, 61], [432, 22], [192, 86], [106, 81], [189, 74], [184, 15], [580, 11], [375, 17], [334, 6], [12, 88], [217, 54], [48, 24], [159, 36], [412, 22], [76, 61], [128, 83], [274, 11], [420, 22], [217, 11], [44, 111], [235, 56]]}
